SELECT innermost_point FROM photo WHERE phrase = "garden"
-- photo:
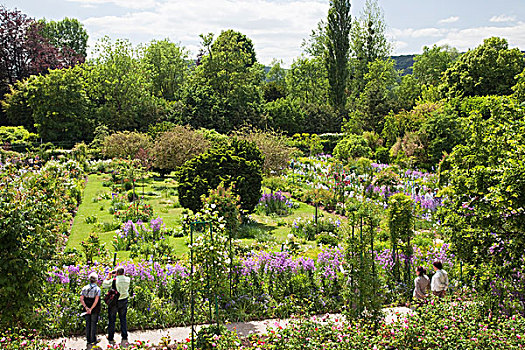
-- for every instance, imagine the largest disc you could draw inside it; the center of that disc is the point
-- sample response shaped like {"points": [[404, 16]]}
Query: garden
{"points": [[232, 192]]}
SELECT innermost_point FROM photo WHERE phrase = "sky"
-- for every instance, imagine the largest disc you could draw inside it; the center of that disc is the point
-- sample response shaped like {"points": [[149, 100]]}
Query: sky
{"points": [[278, 27]]}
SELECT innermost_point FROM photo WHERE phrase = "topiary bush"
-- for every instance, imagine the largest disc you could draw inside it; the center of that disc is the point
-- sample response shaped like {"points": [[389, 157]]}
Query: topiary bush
{"points": [[238, 163]]}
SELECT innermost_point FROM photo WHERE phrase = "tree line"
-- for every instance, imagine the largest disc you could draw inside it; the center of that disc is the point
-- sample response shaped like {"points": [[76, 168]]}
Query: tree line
{"points": [[344, 81]]}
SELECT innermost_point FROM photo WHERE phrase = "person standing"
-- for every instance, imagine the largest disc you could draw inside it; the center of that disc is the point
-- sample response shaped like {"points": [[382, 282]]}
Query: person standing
{"points": [[421, 283], [439, 284], [90, 300], [122, 286]]}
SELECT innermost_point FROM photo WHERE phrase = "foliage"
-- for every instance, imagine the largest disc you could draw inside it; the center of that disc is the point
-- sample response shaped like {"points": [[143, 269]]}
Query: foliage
{"points": [[125, 144], [238, 163], [16, 137], [36, 206], [337, 51], [352, 147], [226, 204], [400, 224], [69, 36], [306, 81], [285, 115], [18, 339], [484, 215], [308, 143], [120, 87], [224, 90], [311, 227], [369, 43], [273, 147], [92, 247], [175, 147], [169, 67], [433, 62], [137, 210], [489, 69]]}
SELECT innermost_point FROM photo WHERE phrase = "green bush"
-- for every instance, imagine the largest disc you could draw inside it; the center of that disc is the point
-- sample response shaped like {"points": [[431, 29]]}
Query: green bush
{"points": [[125, 144], [239, 163], [352, 147]]}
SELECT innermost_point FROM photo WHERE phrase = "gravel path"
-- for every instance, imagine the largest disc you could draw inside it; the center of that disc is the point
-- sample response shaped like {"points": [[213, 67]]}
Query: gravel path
{"points": [[182, 333]]}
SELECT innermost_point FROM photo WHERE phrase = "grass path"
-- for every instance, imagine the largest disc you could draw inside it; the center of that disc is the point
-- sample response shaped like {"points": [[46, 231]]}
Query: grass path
{"points": [[161, 195]]}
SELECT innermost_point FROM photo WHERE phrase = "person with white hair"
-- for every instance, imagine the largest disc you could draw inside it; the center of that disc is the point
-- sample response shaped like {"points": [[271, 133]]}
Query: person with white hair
{"points": [[90, 300]]}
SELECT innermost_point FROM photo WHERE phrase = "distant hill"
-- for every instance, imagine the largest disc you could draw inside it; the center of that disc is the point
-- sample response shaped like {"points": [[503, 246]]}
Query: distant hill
{"points": [[404, 63]]}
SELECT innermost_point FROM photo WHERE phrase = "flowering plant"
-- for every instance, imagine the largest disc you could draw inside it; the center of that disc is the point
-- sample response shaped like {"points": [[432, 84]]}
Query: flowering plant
{"points": [[274, 203]]}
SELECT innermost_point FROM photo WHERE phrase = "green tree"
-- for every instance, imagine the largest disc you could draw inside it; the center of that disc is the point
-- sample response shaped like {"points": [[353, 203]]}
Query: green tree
{"points": [[433, 62], [484, 216], [275, 85], [307, 81], [120, 86], [377, 98], [489, 69], [169, 66], [369, 43], [337, 51], [56, 103], [69, 36], [224, 92]]}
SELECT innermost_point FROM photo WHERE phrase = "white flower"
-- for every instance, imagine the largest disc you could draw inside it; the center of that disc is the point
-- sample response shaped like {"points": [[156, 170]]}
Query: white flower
{"points": [[213, 206]]}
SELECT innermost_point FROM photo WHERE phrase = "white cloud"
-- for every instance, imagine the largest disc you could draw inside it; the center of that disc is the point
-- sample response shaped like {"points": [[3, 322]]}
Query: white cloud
{"points": [[276, 28], [451, 19], [130, 4], [418, 33], [471, 37], [503, 18]]}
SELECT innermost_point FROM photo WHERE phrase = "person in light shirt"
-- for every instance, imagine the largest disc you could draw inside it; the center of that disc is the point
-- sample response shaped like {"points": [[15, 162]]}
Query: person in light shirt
{"points": [[90, 300], [439, 284], [122, 285]]}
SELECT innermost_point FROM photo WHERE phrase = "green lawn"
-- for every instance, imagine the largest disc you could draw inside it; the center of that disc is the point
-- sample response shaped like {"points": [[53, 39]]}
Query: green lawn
{"points": [[161, 194]]}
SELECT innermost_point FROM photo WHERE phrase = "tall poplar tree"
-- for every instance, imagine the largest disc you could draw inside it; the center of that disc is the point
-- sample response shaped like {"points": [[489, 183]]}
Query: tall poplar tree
{"points": [[337, 51]]}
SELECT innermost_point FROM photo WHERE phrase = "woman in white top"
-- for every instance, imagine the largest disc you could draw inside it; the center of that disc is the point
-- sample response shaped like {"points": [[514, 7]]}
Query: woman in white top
{"points": [[421, 283], [439, 284]]}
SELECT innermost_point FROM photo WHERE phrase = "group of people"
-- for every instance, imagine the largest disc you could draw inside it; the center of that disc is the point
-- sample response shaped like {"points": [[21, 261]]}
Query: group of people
{"points": [[438, 285], [90, 298]]}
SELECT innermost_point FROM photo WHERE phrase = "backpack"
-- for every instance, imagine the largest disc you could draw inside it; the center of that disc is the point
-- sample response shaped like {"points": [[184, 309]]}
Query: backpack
{"points": [[111, 297]]}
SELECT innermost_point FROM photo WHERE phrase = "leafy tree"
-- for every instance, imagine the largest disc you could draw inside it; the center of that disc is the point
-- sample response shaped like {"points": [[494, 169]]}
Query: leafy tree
{"points": [[169, 67], [23, 50], [307, 82], [377, 98], [59, 106], [275, 85], [489, 69], [237, 165], [407, 92], [120, 87], [484, 216], [337, 51], [175, 147], [224, 91], [125, 144], [433, 62], [273, 146], [69, 36], [369, 43], [285, 115]]}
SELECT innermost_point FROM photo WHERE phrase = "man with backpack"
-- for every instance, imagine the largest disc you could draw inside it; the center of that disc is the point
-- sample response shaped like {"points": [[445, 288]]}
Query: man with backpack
{"points": [[119, 287]]}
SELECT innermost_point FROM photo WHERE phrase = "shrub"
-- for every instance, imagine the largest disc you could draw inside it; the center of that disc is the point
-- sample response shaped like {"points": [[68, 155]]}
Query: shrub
{"points": [[330, 140], [238, 163], [307, 228], [173, 148], [125, 144], [351, 147], [16, 138], [136, 211], [274, 148]]}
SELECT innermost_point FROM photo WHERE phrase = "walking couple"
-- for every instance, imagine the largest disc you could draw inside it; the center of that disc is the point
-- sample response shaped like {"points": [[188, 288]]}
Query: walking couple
{"points": [[90, 300]]}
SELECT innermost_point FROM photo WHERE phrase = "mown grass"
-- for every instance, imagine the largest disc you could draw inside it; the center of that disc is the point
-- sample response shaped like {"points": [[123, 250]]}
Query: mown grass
{"points": [[161, 195]]}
